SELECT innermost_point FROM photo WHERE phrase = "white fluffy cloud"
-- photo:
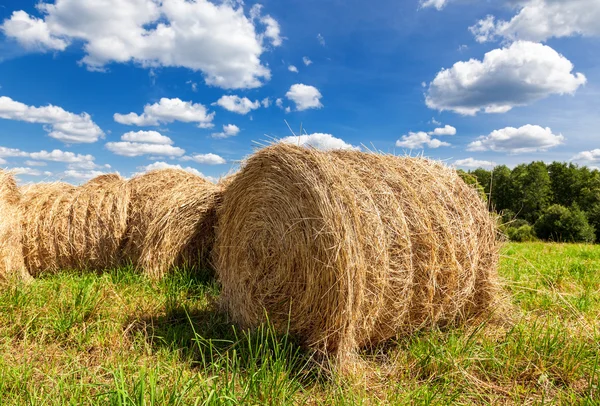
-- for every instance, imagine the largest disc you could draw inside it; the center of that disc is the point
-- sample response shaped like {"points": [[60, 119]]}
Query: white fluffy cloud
{"points": [[168, 111], [81, 175], [438, 4], [418, 140], [2, 161], [29, 171], [35, 163], [206, 159], [144, 143], [65, 126], [305, 97], [473, 163], [306, 60], [325, 142], [60, 156], [229, 130], [164, 165], [217, 39], [588, 157], [237, 104], [528, 138], [514, 76], [538, 20], [31, 32], [292, 68], [445, 130], [130, 149], [152, 137]]}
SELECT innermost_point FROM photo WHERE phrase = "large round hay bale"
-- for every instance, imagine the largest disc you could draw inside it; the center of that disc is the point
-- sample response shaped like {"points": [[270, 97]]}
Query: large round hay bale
{"points": [[11, 249], [68, 227], [171, 220], [347, 249]]}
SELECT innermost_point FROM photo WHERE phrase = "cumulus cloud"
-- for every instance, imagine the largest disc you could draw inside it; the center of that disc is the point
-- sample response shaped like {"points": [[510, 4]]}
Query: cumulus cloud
{"points": [[306, 61], [418, 140], [514, 76], [130, 149], [29, 171], [445, 130], [279, 103], [152, 137], [144, 143], [217, 39], [325, 142], [31, 33], [168, 111], [588, 157], [229, 130], [305, 97], [266, 102], [438, 4], [237, 104], [539, 20], [292, 68], [35, 163], [206, 159], [164, 165], [64, 126], [473, 163], [2, 161], [81, 175], [528, 138]]}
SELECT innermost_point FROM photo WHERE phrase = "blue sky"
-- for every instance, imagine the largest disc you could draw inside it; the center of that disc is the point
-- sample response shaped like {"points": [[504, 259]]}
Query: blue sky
{"points": [[503, 82]]}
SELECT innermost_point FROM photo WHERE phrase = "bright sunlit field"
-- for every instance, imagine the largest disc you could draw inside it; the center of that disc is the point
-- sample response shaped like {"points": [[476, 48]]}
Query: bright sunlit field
{"points": [[119, 338]]}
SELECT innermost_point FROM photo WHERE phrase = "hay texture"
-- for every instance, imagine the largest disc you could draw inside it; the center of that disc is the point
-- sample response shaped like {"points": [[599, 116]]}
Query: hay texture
{"points": [[68, 227], [11, 250], [171, 220], [352, 248]]}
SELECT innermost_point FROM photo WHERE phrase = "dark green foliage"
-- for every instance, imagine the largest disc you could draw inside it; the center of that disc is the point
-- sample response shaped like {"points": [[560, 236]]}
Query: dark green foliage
{"points": [[559, 223], [526, 192], [524, 233]]}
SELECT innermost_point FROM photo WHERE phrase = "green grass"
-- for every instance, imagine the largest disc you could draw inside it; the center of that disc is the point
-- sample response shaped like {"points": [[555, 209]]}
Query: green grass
{"points": [[121, 339]]}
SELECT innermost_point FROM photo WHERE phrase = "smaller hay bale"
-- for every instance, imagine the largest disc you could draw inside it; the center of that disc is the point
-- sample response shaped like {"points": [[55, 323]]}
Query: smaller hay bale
{"points": [[346, 249], [77, 228], [171, 221], [11, 250]]}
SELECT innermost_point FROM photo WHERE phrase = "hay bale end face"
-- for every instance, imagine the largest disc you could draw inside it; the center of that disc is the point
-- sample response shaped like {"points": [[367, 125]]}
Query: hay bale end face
{"points": [[171, 220], [11, 250], [352, 249], [68, 227]]}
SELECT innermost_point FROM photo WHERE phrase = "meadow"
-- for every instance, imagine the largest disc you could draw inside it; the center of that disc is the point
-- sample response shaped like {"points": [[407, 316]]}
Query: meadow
{"points": [[119, 338]]}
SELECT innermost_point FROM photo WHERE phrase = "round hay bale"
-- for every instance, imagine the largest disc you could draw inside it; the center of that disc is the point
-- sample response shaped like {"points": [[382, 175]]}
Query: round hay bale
{"points": [[348, 249], [171, 220], [68, 227], [11, 249]]}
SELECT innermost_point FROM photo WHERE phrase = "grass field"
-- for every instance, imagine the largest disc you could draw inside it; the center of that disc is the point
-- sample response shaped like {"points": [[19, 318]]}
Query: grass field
{"points": [[120, 339]]}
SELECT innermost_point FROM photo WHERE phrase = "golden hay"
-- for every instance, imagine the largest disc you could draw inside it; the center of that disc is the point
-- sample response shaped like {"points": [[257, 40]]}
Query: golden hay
{"points": [[11, 250], [67, 227], [171, 220], [352, 248]]}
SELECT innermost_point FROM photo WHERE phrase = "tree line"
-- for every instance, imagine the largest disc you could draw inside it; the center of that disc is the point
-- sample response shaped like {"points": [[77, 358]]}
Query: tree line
{"points": [[556, 202]]}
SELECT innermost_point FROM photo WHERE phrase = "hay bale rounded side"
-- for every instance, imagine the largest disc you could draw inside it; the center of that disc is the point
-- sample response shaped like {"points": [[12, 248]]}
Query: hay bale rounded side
{"points": [[11, 250], [68, 227], [350, 248], [171, 220]]}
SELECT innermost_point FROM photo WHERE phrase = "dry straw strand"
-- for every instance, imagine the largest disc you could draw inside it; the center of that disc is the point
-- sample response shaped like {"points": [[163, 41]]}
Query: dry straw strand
{"points": [[352, 248], [171, 220], [11, 251], [68, 227]]}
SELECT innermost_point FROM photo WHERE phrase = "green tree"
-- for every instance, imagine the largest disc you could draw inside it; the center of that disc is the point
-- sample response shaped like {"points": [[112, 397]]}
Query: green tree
{"points": [[559, 223], [531, 190], [500, 188]]}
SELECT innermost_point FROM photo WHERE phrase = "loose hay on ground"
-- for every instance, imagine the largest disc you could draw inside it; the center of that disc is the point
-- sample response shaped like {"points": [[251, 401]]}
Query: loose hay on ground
{"points": [[171, 220], [11, 250], [352, 249], [68, 227]]}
